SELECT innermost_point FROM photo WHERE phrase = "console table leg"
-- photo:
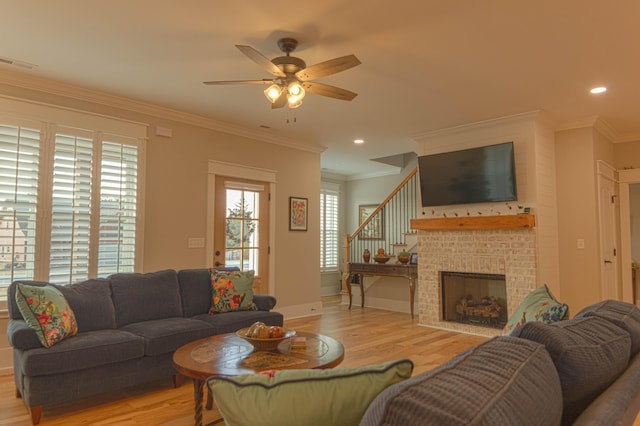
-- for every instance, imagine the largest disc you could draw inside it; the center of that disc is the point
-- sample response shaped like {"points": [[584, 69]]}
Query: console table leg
{"points": [[361, 281], [412, 293]]}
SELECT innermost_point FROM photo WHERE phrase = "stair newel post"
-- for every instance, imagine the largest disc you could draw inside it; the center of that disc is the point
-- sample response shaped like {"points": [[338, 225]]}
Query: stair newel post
{"points": [[346, 256]]}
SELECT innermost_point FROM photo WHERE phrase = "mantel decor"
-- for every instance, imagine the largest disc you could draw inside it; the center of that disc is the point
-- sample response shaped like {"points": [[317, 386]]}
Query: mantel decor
{"points": [[298, 212], [374, 229]]}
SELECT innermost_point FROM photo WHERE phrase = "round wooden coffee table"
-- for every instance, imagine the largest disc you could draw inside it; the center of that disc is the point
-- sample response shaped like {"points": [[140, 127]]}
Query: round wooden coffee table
{"points": [[229, 355]]}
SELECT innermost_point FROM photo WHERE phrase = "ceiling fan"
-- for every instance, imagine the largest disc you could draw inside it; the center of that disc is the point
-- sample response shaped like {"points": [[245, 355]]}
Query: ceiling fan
{"points": [[292, 76]]}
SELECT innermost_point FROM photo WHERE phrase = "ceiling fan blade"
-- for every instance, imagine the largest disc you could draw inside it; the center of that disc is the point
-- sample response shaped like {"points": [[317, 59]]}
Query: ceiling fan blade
{"points": [[263, 81], [280, 102], [329, 67], [327, 90], [261, 60]]}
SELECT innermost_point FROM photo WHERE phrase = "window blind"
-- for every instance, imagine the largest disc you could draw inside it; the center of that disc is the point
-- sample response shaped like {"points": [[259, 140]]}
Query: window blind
{"points": [[329, 197], [19, 158]]}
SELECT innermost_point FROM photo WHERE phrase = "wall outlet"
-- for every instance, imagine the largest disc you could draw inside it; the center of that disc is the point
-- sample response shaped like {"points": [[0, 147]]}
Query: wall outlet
{"points": [[580, 243]]}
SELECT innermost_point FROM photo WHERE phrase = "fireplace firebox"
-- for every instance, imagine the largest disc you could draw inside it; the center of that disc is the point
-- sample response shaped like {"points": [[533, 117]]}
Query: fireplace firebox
{"points": [[473, 298]]}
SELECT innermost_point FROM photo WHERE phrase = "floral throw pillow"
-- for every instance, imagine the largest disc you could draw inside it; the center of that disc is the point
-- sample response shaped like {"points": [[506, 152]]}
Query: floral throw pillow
{"points": [[539, 305], [47, 312], [232, 291]]}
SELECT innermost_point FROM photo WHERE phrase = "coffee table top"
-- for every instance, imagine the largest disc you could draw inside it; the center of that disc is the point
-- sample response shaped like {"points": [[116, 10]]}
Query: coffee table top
{"points": [[230, 355]]}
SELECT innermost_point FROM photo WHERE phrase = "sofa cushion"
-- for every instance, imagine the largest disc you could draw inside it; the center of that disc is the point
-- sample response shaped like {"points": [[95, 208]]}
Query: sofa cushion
{"points": [[47, 312], [144, 297], [232, 291], [91, 302], [589, 354], [86, 350], [503, 381], [166, 335], [624, 315], [230, 322], [195, 291], [539, 305], [337, 396]]}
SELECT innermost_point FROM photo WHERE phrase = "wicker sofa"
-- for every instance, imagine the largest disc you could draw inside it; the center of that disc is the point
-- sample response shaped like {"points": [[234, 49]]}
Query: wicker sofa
{"points": [[129, 326]]}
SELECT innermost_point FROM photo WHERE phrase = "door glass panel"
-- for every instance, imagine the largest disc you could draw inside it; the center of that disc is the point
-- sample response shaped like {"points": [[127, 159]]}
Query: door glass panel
{"points": [[242, 229]]}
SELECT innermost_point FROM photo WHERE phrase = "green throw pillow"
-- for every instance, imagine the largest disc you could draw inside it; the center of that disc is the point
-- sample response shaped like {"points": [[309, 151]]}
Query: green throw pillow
{"points": [[47, 312], [539, 305], [338, 396], [232, 291]]}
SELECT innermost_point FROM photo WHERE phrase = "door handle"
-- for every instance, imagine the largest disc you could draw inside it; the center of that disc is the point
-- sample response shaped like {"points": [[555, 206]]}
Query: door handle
{"points": [[608, 261], [218, 263]]}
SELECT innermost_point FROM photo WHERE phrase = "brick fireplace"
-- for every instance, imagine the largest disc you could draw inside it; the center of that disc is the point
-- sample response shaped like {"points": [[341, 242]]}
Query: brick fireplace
{"points": [[504, 245]]}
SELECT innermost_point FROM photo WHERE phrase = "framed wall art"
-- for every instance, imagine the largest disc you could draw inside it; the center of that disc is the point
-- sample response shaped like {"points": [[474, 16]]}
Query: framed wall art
{"points": [[374, 229], [298, 212]]}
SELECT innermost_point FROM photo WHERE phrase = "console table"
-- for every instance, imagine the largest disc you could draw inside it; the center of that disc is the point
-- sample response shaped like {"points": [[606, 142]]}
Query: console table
{"points": [[408, 271]]}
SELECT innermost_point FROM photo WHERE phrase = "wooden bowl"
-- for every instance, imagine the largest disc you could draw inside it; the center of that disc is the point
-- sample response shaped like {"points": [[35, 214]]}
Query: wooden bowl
{"points": [[381, 259], [270, 344]]}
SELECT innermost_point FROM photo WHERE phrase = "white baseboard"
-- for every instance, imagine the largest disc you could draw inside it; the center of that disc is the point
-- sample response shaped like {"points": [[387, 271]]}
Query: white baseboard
{"points": [[300, 311]]}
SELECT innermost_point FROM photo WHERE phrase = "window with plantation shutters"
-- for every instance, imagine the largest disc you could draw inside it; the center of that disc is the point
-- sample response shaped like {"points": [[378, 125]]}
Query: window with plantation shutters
{"points": [[71, 208], [118, 206], [19, 159], [69, 198], [329, 196]]}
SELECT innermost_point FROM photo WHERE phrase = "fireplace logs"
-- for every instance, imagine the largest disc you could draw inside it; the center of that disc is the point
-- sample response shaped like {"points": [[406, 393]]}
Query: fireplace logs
{"points": [[486, 311]]}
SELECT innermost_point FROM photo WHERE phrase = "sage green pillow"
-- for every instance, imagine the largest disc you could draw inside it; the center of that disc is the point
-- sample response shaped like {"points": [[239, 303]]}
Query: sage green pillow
{"points": [[540, 306], [47, 312], [338, 396]]}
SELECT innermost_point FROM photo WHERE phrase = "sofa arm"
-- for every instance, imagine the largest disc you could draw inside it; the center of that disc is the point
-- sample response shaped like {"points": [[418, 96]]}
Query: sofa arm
{"points": [[21, 336], [264, 302]]}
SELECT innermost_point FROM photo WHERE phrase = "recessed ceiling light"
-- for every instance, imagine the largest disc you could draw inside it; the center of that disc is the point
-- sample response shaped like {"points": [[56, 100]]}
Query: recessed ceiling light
{"points": [[600, 89], [358, 141]]}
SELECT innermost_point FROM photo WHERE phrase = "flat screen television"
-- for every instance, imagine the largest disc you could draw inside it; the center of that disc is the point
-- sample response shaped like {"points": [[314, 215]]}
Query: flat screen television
{"points": [[475, 175]]}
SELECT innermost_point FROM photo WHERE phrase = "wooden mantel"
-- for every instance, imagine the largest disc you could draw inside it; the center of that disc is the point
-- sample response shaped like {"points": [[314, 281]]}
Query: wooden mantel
{"points": [[475, 222]]}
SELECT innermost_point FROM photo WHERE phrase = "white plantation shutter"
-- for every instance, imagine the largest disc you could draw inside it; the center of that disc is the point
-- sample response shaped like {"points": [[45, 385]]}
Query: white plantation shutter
{"points": [[19, 158], [118, 195], [329, 196], [71, 209], [69, 195]]}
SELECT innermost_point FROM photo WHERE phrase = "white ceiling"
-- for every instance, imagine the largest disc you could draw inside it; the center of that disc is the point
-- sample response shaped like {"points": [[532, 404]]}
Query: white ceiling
{"points": [[426, 64]]}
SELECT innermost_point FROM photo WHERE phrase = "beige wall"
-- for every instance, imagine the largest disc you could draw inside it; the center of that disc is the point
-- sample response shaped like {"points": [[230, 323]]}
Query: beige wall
{"points": [[626, 155], [577, 153]]}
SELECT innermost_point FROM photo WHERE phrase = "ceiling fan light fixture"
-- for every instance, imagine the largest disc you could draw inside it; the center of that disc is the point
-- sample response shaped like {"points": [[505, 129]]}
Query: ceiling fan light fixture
{"points": [[294, 102], [295, 94], [273, 92]]}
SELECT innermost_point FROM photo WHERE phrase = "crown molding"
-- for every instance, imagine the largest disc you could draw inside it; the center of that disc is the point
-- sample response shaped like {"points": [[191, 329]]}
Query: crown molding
{"points": [[54, 87], [479, 124]]}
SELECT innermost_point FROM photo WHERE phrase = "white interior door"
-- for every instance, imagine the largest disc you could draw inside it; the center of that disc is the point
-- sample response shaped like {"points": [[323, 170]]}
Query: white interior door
{"points": [[608, 232]]}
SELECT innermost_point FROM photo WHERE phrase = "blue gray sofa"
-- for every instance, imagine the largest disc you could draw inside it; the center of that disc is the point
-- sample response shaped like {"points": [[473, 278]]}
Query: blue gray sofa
{"points": [[129, 326], [583, 371]]}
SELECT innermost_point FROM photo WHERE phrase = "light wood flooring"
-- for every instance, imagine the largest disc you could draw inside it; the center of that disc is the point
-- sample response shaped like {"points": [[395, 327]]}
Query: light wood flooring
{"points": [[369, 336]]}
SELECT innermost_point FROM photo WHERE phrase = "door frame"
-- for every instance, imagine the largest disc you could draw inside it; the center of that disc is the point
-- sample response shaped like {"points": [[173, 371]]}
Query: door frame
{"points": [[625, 178], [240, 171]]}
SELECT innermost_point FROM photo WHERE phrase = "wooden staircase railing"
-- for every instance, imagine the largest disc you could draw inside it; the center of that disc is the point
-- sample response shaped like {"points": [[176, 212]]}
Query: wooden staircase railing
{"points": [[395, 214]]}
